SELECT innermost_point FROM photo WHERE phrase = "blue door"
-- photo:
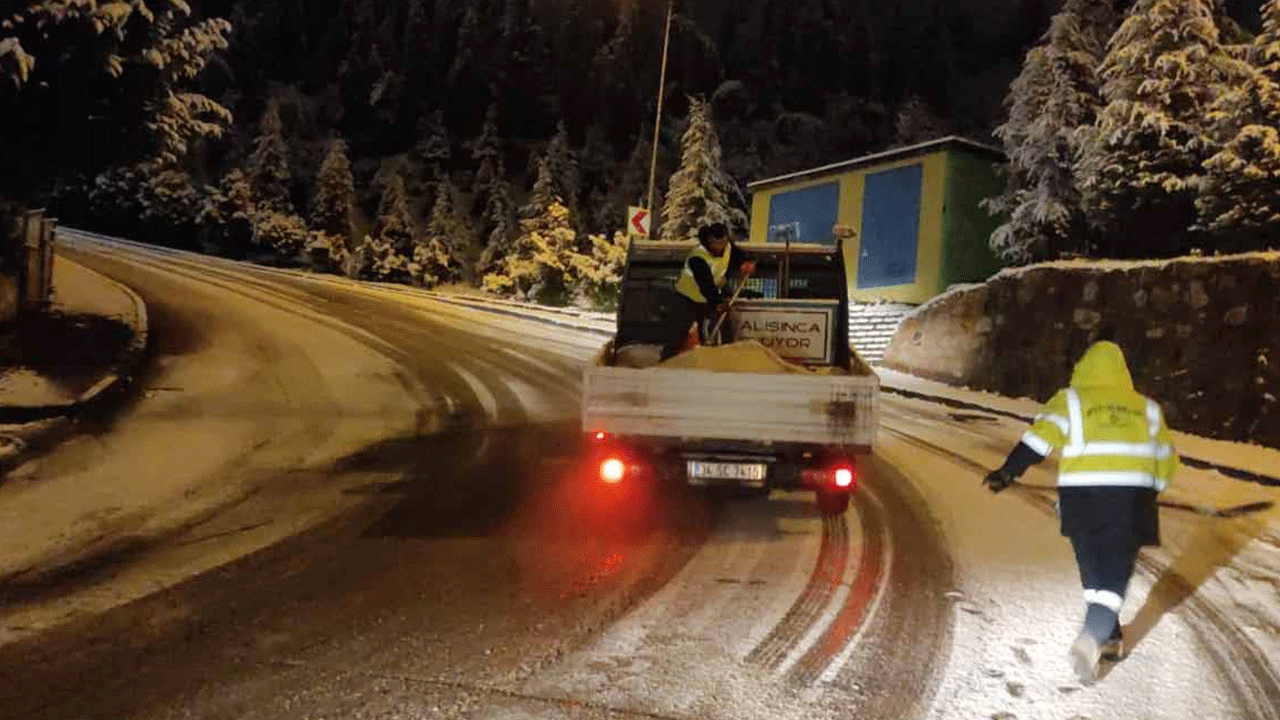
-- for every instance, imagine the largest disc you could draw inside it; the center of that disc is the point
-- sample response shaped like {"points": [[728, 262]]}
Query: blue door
{"points": [[890, 228]]}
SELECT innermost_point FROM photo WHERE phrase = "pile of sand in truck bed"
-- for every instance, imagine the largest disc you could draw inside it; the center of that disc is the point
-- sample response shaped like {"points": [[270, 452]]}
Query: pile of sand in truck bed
{"points": [[745, 356]]}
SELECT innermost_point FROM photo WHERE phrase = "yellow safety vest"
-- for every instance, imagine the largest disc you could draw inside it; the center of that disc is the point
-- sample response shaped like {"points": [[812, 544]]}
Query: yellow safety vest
{"points": [[1109, 434], [687, 284]]}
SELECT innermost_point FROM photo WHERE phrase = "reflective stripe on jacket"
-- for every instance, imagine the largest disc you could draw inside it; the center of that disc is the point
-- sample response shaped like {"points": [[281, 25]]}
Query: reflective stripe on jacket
{"points": [[687, 284], [1109, 435]]}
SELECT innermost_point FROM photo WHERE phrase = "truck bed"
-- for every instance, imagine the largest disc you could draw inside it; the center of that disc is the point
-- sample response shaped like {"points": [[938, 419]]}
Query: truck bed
{"points": [[688, 405]]}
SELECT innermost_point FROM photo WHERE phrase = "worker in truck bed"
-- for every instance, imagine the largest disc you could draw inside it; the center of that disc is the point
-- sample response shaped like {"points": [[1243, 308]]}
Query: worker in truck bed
{"points": [[699, 289]]}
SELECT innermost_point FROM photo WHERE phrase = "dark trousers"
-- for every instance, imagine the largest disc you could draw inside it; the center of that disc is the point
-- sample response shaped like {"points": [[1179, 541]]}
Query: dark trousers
{"points": [[1106, 565], [683, 312]]}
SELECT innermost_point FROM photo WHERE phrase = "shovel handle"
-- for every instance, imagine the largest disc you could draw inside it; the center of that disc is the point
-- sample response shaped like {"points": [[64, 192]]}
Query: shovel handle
{"points": [[737, 291]]}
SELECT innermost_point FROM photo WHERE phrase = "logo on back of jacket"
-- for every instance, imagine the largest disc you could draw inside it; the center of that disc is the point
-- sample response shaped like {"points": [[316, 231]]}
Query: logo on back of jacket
{"points": [[1114, 416]]}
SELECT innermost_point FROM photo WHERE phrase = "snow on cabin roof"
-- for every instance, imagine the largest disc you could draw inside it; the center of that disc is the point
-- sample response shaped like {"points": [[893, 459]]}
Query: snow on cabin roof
{"points": [[880, 157]]}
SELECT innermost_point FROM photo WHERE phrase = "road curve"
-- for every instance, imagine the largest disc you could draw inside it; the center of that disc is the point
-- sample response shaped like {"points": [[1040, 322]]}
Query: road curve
{"points": [[455, 563]]}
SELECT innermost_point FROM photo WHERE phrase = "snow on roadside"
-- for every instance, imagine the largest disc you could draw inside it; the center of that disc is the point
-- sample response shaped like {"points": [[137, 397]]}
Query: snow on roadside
{"points": [[79, 290], [22, 387], [267, 395]]}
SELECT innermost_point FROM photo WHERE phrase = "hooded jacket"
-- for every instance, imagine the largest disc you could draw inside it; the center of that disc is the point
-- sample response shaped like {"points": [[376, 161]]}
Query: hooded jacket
{"points": [[1108, 434], [1116, 451]]}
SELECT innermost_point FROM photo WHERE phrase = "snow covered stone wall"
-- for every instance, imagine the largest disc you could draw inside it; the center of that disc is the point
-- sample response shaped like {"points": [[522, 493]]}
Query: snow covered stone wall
{"points": [[1202, 336]]}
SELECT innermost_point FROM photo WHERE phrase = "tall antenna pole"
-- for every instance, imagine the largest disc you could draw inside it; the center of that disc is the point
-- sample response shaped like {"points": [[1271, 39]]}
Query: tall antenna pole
{"points": [[657, 123]]}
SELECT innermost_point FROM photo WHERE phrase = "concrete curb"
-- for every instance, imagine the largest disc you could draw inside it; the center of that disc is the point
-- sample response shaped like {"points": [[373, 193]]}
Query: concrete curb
{"points": [[116, 376]]}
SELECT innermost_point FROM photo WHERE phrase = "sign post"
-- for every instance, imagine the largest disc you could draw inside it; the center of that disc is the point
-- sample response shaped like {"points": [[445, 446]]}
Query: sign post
{"points": [[638, 222]]}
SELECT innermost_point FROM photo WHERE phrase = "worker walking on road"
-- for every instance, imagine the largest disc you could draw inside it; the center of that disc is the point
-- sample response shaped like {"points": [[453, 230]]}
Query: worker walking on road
{"points": [[1117, 456], [699, 289]]}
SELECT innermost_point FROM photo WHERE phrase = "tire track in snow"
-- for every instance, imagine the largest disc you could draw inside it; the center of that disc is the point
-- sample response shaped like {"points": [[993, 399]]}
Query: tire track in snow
{"points": [[905, 638], [1237, 659], [840, 635], [785, 638], [388, 335]]}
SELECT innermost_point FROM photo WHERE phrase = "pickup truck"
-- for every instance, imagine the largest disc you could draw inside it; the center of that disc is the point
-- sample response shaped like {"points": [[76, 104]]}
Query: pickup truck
{"points": [[754, 432]]}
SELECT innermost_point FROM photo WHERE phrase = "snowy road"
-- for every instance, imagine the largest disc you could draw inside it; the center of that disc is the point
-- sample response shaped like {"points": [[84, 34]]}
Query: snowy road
{"points": [[335, 500]]}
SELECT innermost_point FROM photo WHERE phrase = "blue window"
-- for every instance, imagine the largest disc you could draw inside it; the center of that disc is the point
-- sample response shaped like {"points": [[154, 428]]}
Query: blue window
{"points": [[890, 235], [807, 215]]}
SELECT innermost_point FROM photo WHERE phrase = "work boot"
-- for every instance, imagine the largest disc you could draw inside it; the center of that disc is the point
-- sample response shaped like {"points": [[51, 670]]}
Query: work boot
{"points": [[1084, 658], [1113, 648]]}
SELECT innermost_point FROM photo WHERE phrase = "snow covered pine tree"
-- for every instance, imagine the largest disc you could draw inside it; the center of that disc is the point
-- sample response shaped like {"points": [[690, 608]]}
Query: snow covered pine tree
{"points": [[696, 197], [276, 226], [1141, 165], [433, 261], [1056, 95], [331, 209], [1239, 201], [596, 273], [537, 266], [499, 225], [92, 65], [388, 249]]}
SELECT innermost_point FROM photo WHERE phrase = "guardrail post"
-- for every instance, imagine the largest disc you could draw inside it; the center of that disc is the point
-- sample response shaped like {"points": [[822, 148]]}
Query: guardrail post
{"points": [[48, 235], [32, 262]]}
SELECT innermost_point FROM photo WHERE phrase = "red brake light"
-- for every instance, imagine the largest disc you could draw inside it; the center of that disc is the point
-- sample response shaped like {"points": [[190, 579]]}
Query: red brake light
{"points": [[844, 478], [612, 470], [601, 435]]}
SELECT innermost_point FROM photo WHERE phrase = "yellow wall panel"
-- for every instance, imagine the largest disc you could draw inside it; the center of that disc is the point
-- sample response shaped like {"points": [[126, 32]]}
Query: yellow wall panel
{"points": [[929, 251]]}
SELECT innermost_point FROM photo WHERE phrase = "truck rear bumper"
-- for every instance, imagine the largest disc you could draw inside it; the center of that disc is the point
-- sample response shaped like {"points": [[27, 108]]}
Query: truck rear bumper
{"points": [[791, 467]]}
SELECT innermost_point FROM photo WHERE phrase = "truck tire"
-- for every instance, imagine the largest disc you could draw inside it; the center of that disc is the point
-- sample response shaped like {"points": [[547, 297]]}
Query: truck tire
{"points": [[832, 504]]}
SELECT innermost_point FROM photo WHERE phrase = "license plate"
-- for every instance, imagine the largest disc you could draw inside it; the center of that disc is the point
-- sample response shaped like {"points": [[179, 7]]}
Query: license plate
{"points": [[746, 472]]}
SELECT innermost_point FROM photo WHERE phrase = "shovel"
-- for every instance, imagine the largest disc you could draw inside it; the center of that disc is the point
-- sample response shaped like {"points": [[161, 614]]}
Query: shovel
{"points": [[715, 331]]}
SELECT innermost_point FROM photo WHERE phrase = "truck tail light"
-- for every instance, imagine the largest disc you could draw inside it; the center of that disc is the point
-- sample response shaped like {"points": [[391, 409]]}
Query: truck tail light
{"points": [[844, 477], [601, 436], [612, 471]]}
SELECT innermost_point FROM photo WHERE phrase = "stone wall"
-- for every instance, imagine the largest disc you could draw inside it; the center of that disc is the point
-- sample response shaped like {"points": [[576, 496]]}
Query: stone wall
{"points": [[1202, 336]]}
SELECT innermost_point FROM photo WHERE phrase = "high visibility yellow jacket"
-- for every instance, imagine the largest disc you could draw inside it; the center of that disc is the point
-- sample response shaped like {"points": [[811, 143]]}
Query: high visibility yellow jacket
{"points": [[1108, 434], [687, 283]]}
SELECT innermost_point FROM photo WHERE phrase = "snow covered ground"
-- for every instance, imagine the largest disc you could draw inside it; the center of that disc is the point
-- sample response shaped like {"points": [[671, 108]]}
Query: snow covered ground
{"points": [[225, 413], [265, 394], [23, 387], [1205, 604], [1203, 612], [77, 290]]}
